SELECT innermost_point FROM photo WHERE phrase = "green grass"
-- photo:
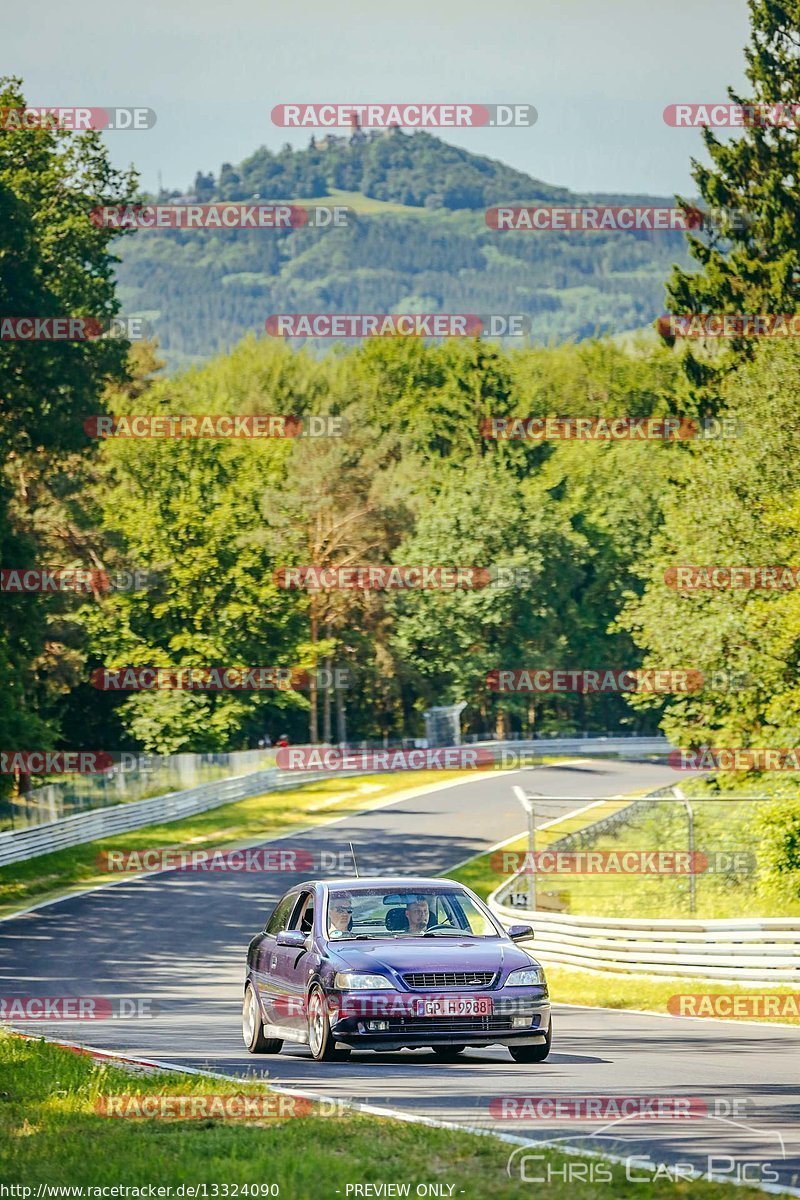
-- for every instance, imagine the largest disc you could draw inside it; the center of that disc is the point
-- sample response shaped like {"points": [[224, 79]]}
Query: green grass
{"points": [[481, 873], [52, 1133], [607, 989], [723, 826], [719, 825], [245, 821]]}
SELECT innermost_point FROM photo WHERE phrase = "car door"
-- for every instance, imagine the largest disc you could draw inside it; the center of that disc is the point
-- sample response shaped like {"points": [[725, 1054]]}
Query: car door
{"points": [[273, 1002], [295, 964]]}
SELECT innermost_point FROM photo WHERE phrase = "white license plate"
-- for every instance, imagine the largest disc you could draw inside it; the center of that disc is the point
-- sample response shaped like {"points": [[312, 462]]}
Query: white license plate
{"points": [[455, 1006]]}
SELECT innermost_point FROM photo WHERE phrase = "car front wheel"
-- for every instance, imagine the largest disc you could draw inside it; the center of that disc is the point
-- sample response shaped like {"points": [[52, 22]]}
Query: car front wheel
{"points": [[253, 1026], [320, 1039], [532, 1054]]}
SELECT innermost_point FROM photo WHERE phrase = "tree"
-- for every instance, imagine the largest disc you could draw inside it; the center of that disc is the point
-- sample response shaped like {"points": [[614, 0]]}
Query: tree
{"points": [[751, 263], [194, 512], [54, 262], [733, 502], [452, 639]]}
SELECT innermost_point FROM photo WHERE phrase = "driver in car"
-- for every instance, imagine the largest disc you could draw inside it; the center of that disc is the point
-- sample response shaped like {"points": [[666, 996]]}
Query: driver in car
{"points": [[417, 915], [340, 915]]}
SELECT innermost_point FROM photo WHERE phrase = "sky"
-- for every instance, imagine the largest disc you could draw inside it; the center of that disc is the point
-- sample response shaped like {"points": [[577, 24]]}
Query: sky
{"points": [[599, 74]]}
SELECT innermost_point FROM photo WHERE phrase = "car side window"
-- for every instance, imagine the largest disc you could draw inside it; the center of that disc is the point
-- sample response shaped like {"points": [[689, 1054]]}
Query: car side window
{"points": [[303, 915], [281, 913]]}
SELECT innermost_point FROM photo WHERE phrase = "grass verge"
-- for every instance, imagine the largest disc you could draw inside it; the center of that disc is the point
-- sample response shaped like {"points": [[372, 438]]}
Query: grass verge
{"points": [[52, 1133], [484, 873], [607, 989], [730, 885]]}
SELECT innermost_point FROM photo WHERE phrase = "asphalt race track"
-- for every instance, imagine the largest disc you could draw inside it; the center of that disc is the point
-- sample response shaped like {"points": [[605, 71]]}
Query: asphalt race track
{"points": [[178, 940]]}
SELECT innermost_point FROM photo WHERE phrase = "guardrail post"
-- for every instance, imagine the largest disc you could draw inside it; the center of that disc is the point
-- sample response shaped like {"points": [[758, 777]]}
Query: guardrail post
{"points": [[678, 793], [526, 800]]}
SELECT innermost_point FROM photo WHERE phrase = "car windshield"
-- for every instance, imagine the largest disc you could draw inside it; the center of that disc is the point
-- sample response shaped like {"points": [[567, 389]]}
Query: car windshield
{"points": [[381, 914]]}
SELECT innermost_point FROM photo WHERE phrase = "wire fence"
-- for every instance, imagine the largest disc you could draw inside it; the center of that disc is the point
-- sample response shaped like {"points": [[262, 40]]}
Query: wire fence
{"points": [[134, 777]]}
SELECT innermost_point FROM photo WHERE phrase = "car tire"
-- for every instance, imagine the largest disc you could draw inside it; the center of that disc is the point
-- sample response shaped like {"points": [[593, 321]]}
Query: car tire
{"points": [[532, 1054], [253, 1026], [448, 1053], [320, 1039]]}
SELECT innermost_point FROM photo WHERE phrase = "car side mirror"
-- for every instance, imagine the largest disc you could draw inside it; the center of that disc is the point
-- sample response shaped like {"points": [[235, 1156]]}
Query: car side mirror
{"points": [[519, 933], [291, 937]]}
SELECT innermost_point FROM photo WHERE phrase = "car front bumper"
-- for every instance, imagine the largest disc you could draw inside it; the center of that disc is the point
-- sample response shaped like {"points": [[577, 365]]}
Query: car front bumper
{"points": [[388, 1020]]}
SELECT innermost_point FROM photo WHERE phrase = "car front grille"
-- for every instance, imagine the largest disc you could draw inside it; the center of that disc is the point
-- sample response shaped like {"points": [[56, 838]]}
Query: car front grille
{"points": [[419, 1026], [449, 979]]}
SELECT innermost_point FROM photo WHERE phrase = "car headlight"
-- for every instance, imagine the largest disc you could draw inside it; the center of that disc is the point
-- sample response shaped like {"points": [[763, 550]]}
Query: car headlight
{"points": [[525, 977], [348, 981]]}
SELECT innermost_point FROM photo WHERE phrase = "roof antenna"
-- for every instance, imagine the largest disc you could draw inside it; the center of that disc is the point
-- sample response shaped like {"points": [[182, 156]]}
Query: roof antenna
{"points": [[355, 864]]}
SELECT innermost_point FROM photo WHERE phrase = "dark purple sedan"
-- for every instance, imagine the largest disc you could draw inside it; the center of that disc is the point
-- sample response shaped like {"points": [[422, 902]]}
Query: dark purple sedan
{"points": [[384, 964]]}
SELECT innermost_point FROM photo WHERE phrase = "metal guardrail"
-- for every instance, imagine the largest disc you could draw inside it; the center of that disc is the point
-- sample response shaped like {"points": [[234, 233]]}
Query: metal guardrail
{"points": [[578, 745], [133, 776], [19, 845], [766, 950], [741, 949]]}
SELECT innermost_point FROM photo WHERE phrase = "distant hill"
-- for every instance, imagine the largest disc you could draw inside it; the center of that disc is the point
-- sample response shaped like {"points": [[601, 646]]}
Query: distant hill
{"points": [[418, 242]]}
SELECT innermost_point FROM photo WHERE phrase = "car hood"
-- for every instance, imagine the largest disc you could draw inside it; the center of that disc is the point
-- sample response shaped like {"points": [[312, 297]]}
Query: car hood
{"points": [[430, 954]]}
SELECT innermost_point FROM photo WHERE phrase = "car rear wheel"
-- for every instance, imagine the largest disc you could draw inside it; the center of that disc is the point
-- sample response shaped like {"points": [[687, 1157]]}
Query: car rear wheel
{"points": [[532, 1054], [253, 1027], [320, 1038], [448, 1053]]}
